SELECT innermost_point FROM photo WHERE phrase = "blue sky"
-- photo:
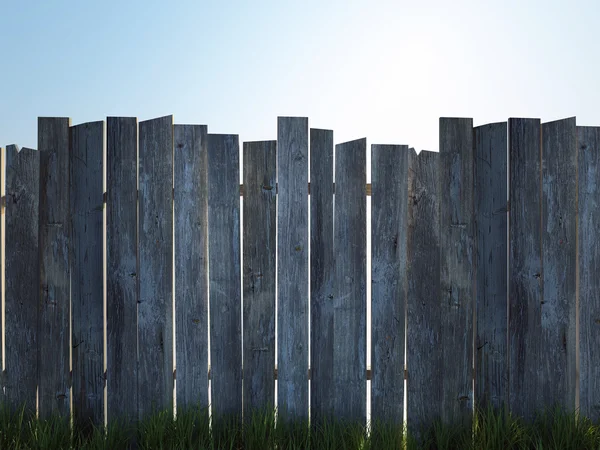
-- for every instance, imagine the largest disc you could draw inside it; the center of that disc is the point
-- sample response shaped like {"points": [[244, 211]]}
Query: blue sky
{"points": [[384, 70]]}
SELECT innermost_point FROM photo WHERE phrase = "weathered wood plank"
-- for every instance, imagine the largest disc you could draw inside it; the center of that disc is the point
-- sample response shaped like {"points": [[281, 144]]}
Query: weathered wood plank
{"points": [[292, 269], [589, 282], [224, 282], [389, 215], [322, 271], [491, 229], [87, 272], [191, 265], [260, 201], [121, 269], [155, 308], [22, 288], [424, 359], [525, 265], [350, 302], [54, 240], [457, 270], [557, 371]]}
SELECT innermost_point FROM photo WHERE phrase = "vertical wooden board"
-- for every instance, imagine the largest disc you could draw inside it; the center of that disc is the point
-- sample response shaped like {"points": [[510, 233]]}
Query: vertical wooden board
{"points": [[155, 308], [292, 269], [491, 228], [557, 370], [350, 298], [225, 274], [87, 272], [389, 215], [54, 240], [22, 289], [191, 265], [525, 266], [589, 282], [121, 269], [424, 358], [260, 162], [457, 267], [322, 271]]}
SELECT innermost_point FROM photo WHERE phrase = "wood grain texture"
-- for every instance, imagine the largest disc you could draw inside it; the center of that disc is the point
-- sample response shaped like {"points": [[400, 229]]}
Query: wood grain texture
{"points": [[155, 308], [191, 265], [350, 301], [225, 274], [87, 272], [260, 201], [589, 261], [389, 216], [54, 240], [557, 371], [424, 359], [121, 270], [322, 274], [292, 269], [525, 265], [491, 217], [22, 288], [457, 267]]}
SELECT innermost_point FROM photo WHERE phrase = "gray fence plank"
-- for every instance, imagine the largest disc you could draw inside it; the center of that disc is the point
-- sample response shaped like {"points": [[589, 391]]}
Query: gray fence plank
{"points": [[87, 272], [557, 370], [525, 265], [589, 282], [322, 271], [260, 201], [424, 339], [54, 240], [491, 218], [22, 288], [292, 269], [155, 308], [191, 265], [225, 283], [389, 215], [121, 269], [350, 302], [457, 271]]}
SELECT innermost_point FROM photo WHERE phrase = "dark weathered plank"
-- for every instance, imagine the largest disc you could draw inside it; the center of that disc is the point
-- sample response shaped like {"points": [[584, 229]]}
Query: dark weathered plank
{"points": [[22, 288], [224, 283], [424, 338], [589, 282], [260, 164], [292, 269], [191, 265], [389, 215], [121, 269], [350, 300], [491, 217], [54, 239], [457, 270], [525, 265], [557, 370], [87, 272], [322, 271], [155, 308]]}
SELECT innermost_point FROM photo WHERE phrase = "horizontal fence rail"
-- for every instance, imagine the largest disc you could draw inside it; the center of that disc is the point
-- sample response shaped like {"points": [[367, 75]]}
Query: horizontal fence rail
{"points": [[140, 275]]}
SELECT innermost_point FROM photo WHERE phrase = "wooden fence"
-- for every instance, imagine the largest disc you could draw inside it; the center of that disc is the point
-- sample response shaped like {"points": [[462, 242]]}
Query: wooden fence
{"points": [[483, 267]]}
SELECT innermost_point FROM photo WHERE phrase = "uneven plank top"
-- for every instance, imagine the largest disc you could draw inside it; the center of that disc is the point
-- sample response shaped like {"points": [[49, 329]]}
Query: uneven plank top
{"points": [[350, 297]]}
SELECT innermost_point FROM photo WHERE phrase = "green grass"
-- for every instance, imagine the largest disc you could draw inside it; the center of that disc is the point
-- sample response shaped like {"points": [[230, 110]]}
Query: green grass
{"points": [[192, 430]]}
